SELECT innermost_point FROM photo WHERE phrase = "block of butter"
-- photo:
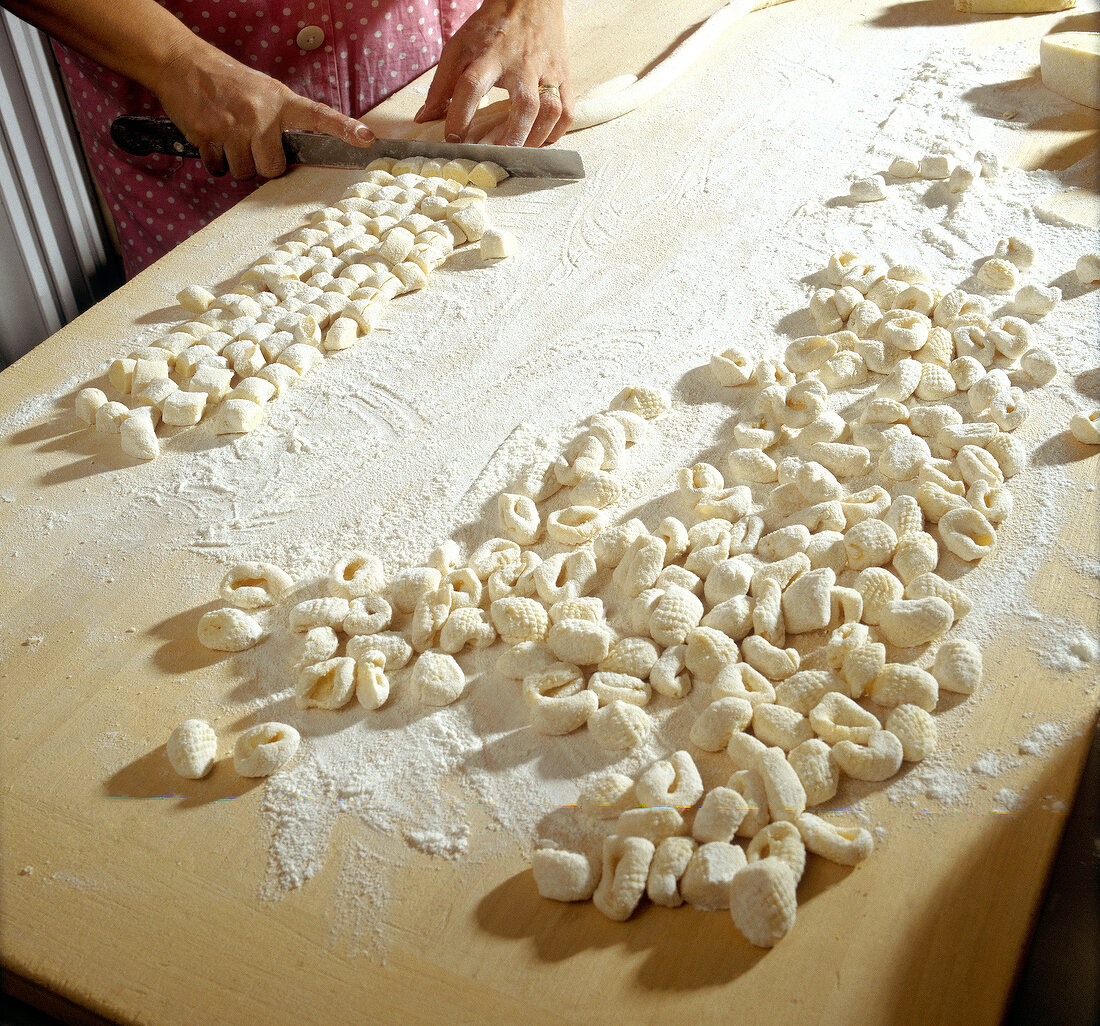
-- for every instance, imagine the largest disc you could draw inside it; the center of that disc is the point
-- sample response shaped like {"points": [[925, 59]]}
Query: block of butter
{"points": [[1070, 62]]}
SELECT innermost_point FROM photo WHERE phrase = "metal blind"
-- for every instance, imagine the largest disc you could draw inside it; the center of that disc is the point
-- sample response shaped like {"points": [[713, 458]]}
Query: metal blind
{"points": [[55, 258]]}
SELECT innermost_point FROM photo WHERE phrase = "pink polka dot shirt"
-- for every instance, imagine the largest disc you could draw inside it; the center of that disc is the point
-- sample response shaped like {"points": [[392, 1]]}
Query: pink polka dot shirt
{"points": [[357, 53]]}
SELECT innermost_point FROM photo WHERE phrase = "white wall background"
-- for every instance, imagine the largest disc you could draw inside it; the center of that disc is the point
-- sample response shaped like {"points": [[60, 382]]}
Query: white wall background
{"points": [[55, 259]]}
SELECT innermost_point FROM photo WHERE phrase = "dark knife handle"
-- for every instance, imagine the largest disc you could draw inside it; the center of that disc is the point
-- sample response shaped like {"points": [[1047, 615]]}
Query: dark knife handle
{"points": [[142, 136]]}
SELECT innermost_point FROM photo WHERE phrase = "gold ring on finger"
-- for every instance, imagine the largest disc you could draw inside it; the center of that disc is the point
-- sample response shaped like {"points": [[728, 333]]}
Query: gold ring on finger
{"points": [[543, 89]]}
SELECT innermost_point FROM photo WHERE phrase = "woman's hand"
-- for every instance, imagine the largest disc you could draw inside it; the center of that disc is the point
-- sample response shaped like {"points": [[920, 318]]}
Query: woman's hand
{"points": [[520, 46], [236, 115]]}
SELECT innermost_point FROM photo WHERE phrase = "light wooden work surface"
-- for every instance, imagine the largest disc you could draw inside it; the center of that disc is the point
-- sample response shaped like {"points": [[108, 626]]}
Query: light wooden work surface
{"points": [[145, 910]]}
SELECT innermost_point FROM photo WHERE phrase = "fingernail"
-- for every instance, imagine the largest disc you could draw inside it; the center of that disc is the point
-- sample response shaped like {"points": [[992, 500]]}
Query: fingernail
{"points": [[454, 137], [364, 133]]}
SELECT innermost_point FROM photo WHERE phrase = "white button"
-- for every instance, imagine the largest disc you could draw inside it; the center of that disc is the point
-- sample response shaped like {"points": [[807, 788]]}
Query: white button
{"points": [[310, 37]]}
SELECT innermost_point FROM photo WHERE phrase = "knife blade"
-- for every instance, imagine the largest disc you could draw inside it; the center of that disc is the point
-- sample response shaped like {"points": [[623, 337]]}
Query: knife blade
{"points": [[142, 136]]}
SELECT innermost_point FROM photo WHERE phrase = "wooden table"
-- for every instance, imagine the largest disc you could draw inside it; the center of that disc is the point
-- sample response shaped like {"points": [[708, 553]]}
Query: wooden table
{"points": [[121, 904]]}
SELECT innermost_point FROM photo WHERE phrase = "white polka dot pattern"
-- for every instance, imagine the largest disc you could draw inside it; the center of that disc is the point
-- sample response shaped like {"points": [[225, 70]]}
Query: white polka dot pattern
{"points": [[158, 201]]}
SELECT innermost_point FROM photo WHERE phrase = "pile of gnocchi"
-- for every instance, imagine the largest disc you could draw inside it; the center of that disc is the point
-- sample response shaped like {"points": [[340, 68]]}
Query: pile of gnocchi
{"points": [[319, 292], [798, 587]]}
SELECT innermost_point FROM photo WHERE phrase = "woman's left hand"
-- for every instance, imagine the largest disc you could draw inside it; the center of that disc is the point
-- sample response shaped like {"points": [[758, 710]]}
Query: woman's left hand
{"points": [[518, 45]]}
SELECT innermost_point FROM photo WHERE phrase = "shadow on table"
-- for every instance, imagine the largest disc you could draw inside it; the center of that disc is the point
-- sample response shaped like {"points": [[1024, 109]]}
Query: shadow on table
{"points": [[978, 896], [150, 776], [562, 931], [1027, 104], [180, 652], [924, 13], [61, 431], [1061, 449]]}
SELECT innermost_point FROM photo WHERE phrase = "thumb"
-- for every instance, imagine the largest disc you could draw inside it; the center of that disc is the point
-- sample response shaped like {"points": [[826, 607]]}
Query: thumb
{"points": [[311, 116]]}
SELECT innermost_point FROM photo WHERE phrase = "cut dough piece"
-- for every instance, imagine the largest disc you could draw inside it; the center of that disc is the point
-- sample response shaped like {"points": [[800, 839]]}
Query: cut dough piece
{"points": [[228, 630], [110, 417], [868, 190], [1070, 62], [255, 585], [904, 167], [238, 416], [139, 437], [88, 402], [934, 167], [182, 408], [497, 244]]}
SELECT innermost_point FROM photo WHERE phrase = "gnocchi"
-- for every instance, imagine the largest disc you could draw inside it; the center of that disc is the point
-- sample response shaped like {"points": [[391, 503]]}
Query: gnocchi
{"points": [[192, 749], [265, 749]]}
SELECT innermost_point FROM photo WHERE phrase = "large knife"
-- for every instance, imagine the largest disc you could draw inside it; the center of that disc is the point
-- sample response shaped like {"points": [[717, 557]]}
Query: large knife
{"points": [[142, 136]]}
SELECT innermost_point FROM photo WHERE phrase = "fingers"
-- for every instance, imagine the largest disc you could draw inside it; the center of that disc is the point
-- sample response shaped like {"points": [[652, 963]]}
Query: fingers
{"points": [[238, 154], [267, 151], [259, 149], [568, 114], [310, 116], [474, 82], [550, 110], [524, 94], [447, 71], [213, 158]]}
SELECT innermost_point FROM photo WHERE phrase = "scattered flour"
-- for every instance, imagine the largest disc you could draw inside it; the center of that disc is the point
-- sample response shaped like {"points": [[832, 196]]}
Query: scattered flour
{"points": [[1067, 647], [1042, 740], [990, 764], [434, 842], [933, 778], [362, 899], [1006, 800], [640, 272]]}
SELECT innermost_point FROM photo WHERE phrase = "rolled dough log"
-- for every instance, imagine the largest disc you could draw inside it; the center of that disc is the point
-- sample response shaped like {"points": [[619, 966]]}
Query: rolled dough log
{"points": [[1071, 65], [604, 103], [612, 85], [623, 93], [1012, 6]]}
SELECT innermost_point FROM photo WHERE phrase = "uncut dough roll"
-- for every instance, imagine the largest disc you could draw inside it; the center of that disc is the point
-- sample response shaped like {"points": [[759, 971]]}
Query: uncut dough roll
{"points": [[1012, 6], [623, 93]]}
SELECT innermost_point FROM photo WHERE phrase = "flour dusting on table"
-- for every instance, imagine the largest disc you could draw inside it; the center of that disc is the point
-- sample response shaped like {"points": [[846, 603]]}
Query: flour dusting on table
{"points": [[639, 273]]}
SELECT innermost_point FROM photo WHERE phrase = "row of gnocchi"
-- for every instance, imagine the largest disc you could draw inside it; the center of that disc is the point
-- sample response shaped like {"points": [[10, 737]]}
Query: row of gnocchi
{"points": [[932, 167], [319, 292]]}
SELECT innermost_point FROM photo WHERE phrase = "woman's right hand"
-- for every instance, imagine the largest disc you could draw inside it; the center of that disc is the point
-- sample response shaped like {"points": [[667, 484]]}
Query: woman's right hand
{"points": [[236, 115]]}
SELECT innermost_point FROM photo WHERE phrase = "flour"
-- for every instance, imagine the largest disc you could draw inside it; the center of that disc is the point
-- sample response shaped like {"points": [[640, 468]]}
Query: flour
{"points": [[434, 842], [1006, 800], [361, 902], [934, 778], [1067, 647], [990, 764], [639, 273], [1042, 740]]}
